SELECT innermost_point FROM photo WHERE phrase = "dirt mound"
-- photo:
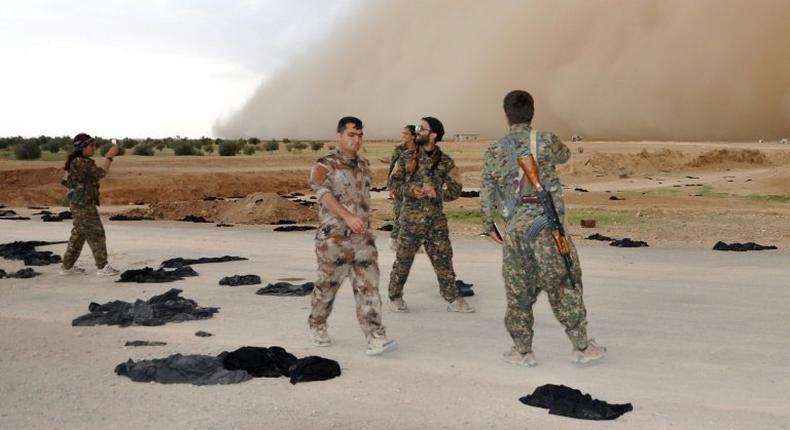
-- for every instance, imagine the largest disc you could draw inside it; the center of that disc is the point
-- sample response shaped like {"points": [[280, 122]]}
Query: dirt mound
{"points": [[257, 208], [723, 156], [643, 162], [16, 179]]}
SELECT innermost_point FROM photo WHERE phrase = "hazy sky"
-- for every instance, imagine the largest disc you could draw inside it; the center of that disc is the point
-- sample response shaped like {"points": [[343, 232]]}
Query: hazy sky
{"points": [[144, 67]]}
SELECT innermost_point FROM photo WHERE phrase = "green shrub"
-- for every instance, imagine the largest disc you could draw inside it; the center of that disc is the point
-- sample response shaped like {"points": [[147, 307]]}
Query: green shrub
{"points": [[209, 148], [315, 146], [299, 146], [106, 147], [53, 146], [228, 148], [145, 149], [127, 143], [250, 149], [271, 145], [27, 150], [184, 148], [286, 141], [254, 140]]}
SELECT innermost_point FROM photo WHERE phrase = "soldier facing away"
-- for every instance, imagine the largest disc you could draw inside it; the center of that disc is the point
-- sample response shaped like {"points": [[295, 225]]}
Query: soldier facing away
{"points": [[531, 263], [82, 180], [425, 177], [343, 244]]}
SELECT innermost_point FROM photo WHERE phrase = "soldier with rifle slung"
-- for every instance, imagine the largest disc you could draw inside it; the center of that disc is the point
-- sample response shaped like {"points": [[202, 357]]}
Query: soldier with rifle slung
{"points": [[520, 183]]}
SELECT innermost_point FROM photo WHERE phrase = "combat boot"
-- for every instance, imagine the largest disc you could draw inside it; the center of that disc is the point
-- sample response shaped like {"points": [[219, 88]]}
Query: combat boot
{"points": [[320, 336], [591, 353], [514, 357], [460, 305], [380, 345], [398, 305]]}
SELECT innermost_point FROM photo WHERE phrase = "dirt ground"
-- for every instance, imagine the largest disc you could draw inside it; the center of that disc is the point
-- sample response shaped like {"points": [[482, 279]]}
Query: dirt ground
{"points": [[670, 193]]}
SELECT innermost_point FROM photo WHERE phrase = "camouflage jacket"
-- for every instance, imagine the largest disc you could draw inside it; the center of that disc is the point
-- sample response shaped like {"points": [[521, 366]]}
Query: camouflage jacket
{"points": [[396, 153], [436, 169], [502, 183], [349, 182], [82, 182]]}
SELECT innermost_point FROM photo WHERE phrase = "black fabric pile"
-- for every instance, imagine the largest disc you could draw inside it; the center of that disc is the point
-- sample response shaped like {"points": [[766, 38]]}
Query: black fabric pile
{"points": [[741, 247], [283, 222], [622, 243], [286, 289], [137, 343], [581, 190], [7, 212], [15, 218], [295, 228], [628, 243], [236, 280], [158, 310], [224, 225], [212, 199], [26, 251], [202, 333], [615, 198], [470, 193], [21, 273], [148, 275], [182, 369], [58, 217], [464, 288], [230, 367], [175, 263], [569, 402], [194, 218], [386, 227], [122, 217]]}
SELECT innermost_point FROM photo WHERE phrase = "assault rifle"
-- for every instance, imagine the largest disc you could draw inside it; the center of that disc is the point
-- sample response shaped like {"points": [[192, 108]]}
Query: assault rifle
{"points": [[530, 168]]}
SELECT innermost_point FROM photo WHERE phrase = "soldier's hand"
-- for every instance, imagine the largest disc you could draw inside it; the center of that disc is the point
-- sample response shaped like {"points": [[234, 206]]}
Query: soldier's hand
{"points": [[419, 192], [356, 224], [113, 151], [495, 236], [429, 191]]}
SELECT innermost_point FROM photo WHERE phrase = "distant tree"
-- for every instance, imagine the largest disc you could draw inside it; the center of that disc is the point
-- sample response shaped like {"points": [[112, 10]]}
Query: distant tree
{"points": [[128, 143], [143, 148], [254, 140], [228, 148], [249, 149], [53, 146], [184, 147], [299, 146], [106, 147], [316, 145], [209, 148], [271, 145], [27, 150], [286, 140]]}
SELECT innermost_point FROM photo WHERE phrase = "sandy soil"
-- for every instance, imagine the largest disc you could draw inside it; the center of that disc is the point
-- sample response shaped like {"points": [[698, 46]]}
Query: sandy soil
{"points": [[697, 340]]}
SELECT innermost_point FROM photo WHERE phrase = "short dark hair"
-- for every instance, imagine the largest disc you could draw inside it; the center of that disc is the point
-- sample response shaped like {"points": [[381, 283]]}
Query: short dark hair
{"points": [[519, 107], [412, 129], [341, 125], [436, 127]]}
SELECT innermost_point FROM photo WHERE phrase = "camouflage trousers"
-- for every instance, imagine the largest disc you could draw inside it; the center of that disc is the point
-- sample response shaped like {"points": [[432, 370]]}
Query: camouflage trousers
{"points": [[355, 257], [87, 227], [396, 210], [528, 269], [431, 232]]}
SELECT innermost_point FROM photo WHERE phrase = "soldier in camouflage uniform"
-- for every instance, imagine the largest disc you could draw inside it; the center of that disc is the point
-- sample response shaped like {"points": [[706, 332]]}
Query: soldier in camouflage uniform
{"points": [[425, 177], [343, 244], [531, 263], [409, 133], [82, 181]]}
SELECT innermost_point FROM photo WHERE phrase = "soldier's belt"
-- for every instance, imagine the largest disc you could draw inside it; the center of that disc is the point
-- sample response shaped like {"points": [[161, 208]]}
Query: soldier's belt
{"points": [[530, 199]]}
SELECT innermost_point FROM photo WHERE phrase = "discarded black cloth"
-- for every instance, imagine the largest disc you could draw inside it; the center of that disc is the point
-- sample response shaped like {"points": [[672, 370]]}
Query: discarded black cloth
{"points": [[295, 228], [212, 198], [741, 247], [224, 225], [194, 218], [16, 218], [581, 190], [240, 280], [386, 227], [202, 333], [470, 193], [464, 288], [7, 212], [283, 222], [144, 343], [38, 208], [21, 273], [314, 368], [157, 310], [569, 402], [182, 369], [122, 217], [286, 289], [149, 275], [60, 216], [175, 263], [26, 251], [600, 237], [259, 362], [615, 198], [628, 243]]}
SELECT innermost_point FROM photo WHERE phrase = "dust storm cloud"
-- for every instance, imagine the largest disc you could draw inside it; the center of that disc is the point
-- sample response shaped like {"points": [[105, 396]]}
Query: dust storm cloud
{"points": [[604, 69]]}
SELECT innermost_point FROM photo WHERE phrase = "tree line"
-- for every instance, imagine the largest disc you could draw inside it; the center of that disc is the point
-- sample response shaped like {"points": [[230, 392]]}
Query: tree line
{"points": [[32, 147]]}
